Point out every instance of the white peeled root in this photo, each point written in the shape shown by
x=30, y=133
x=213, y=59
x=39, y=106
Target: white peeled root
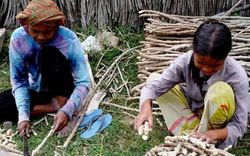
x=140, y=131
x=144, y=130
x=186, y=146
x=6, y=141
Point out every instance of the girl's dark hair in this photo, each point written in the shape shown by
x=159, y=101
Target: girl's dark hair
x=213, y=39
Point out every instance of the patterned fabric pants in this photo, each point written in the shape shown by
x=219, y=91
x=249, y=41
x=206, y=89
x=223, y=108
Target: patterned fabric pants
x=219, y=107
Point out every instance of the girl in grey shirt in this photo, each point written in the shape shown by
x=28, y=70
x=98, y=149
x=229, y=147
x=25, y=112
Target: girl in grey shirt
x=204, y=92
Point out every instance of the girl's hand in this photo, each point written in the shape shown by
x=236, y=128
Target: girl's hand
x=146, y=114
x=211, y=136
x=202, y=137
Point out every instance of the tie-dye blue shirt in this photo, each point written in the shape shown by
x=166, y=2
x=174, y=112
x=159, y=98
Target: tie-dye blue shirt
x=24, y=75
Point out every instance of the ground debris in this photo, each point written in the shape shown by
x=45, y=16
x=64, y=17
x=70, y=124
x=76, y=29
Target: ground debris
x=7, y=144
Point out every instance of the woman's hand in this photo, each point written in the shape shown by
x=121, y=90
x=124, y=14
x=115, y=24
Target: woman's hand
x=24, y=128
x=60, y=121
x=146, y=114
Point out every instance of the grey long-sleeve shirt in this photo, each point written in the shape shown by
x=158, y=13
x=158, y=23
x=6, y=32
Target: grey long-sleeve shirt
x=232, y=73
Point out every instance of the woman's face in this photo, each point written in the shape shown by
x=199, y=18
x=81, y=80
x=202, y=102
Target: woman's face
x=42, y=33
x=207, y=65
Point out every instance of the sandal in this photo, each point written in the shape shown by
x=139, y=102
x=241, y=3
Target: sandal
x=100, y=124
x=89, y=118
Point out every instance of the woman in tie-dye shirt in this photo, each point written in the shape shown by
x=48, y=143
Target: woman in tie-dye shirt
x=47, y=67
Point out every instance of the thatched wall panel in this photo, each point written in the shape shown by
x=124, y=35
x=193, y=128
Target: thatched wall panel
x=99, y=13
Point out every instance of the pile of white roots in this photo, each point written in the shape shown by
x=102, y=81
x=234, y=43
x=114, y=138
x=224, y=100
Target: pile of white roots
x=7, y=143
x=186, y=146
x=6, y=138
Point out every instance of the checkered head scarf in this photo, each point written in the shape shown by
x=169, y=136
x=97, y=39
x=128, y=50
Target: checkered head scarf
x=45, y=11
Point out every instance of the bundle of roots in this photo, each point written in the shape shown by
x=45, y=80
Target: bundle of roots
x=186, y=146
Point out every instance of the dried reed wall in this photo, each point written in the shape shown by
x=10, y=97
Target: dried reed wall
x=98, y=13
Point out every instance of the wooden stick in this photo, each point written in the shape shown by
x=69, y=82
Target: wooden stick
x=43, y=142
x=164, y=15
x=129, y=114
x=110, y=78
x=241, y=32
x=97, y=66
x=37, y=122
x=237, y=4
x=127, y=108
x=133, y=98
x=245, y=7
x=122, y=107
x=125, y=83
x=159, y=122
x=46, y=120
x=92, y=81
x=91, y=95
